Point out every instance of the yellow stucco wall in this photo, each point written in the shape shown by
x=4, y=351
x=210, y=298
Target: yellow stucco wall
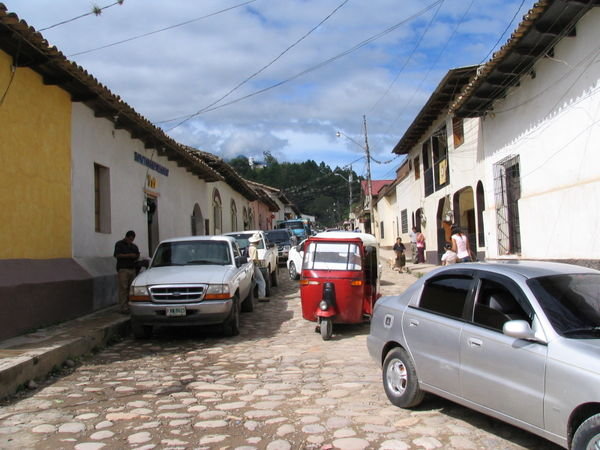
x=35, y=166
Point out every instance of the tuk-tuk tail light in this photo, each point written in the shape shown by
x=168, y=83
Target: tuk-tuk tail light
x=356, y=283
x=307, y=282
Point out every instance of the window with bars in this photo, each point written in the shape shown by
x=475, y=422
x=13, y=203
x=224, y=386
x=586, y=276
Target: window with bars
x=404, y=219
x=507, y=192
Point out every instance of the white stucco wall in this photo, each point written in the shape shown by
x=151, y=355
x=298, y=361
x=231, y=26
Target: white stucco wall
x=466, y=168
x=552, y=122
x=94, y=140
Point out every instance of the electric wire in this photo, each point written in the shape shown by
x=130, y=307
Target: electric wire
x=270, y=63
x=170, y=27
x=96, y=10
x=313, y=68
x=409, y=58
x=508, y=26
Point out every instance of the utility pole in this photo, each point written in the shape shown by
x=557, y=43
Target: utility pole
x=369, y=183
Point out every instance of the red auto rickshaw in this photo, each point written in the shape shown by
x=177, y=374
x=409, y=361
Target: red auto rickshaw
x=340, y=279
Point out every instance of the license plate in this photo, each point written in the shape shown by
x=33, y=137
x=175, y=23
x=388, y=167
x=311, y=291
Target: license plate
x=173, y=311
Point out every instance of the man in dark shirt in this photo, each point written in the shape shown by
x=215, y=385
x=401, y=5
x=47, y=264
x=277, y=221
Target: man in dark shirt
x=127, y=254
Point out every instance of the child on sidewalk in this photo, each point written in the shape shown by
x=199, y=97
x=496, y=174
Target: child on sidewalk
x=449, y=257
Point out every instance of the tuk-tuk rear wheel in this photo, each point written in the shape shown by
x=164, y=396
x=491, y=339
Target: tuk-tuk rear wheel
x=326, y=328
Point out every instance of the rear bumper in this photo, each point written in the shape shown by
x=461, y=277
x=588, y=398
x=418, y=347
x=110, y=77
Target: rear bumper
x=202, y=313
x=375, y=347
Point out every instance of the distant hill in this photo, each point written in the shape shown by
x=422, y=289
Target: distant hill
x=316, y=189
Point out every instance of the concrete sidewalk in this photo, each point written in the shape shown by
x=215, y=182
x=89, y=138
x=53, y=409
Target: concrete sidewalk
x=418, y=270
x=34, y=355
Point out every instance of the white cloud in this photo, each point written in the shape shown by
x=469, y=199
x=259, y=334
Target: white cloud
x=180, y=71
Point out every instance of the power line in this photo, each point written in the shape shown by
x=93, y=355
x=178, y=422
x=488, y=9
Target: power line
x=264, y=67
x=96, y=10
x=139, y=36
x=315, y=67
x=418, y=43
x=503, y=33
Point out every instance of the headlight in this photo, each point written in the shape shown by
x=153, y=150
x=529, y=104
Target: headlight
x=139, y=294
x=323, y=305
x=286, y=248
x=217, y=292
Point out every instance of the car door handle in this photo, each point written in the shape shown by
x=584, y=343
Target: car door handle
x=413, y=323
x=475, y=342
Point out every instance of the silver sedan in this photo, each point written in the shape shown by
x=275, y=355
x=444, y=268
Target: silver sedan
x=518, y=341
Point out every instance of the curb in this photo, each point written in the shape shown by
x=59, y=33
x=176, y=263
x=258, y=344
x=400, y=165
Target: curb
x=35, y=355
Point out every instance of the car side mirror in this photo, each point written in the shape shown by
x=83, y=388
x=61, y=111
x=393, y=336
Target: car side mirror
x=518, y=329
x=240, y=260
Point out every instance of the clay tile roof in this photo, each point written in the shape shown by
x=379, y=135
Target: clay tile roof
x=29, y=49
x=226, y=171
x=546, y=23
x=439, y=102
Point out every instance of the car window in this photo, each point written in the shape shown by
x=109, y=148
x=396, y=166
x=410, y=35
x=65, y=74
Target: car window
x=446, y=295
x=332, y=256
x=187, y=253
x=495, y=305
x=571, y=303
x=236, y=250
x=242, y=240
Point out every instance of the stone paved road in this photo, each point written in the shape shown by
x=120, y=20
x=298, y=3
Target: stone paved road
x=275, y=386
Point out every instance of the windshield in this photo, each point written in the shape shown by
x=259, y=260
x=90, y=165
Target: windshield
x=279, y=236
x=332, y=256
x=571, y=302
x=188, y=253
x=242, y=240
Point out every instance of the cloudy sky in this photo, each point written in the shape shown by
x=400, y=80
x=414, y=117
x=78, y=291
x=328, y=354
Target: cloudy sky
x=241, y=77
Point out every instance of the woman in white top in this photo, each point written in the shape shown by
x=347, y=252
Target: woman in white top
x=460, y=245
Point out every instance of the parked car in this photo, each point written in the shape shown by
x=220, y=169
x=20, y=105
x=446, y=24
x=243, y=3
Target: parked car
x=267, y=254
x=519, y=341
x=199, y=280
x=294, y=262
x=284, y=238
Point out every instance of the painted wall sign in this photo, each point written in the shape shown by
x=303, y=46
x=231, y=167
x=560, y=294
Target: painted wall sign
x=150, y=164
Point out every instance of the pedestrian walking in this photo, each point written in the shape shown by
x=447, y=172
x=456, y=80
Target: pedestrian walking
x=399, y=250
x=127, y=253
x=460, y=245
x=258, y=276
x=413, y=244
x=420, y=247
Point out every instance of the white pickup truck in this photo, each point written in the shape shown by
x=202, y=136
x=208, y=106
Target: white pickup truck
x=267, y=255
x=198, y=280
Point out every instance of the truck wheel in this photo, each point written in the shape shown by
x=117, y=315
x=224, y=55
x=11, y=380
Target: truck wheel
x=248, y=303
x=141, y=331
x=588, y=434
x=275, y=276
x=232, y=326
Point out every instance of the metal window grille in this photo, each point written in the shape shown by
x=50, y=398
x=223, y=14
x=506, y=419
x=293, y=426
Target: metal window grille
x=404, y=218
x=507, y=192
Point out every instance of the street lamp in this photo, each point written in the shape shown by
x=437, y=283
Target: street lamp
x=369, y=183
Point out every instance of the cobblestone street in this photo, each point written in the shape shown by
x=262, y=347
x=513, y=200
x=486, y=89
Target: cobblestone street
x=276, y=386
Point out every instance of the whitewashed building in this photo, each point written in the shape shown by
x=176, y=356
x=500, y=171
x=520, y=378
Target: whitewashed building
x=441, y=182
x=539, y=103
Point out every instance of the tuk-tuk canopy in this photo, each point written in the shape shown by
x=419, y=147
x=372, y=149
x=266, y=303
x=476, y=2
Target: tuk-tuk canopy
x=366, y=238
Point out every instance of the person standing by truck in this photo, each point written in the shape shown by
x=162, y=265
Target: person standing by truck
x=258, y=276
x=127, y=253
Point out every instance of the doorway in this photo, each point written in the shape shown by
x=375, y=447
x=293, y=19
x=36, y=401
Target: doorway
x=152, y=216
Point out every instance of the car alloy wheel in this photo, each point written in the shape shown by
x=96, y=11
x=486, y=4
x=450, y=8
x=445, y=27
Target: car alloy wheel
x=400, y=379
